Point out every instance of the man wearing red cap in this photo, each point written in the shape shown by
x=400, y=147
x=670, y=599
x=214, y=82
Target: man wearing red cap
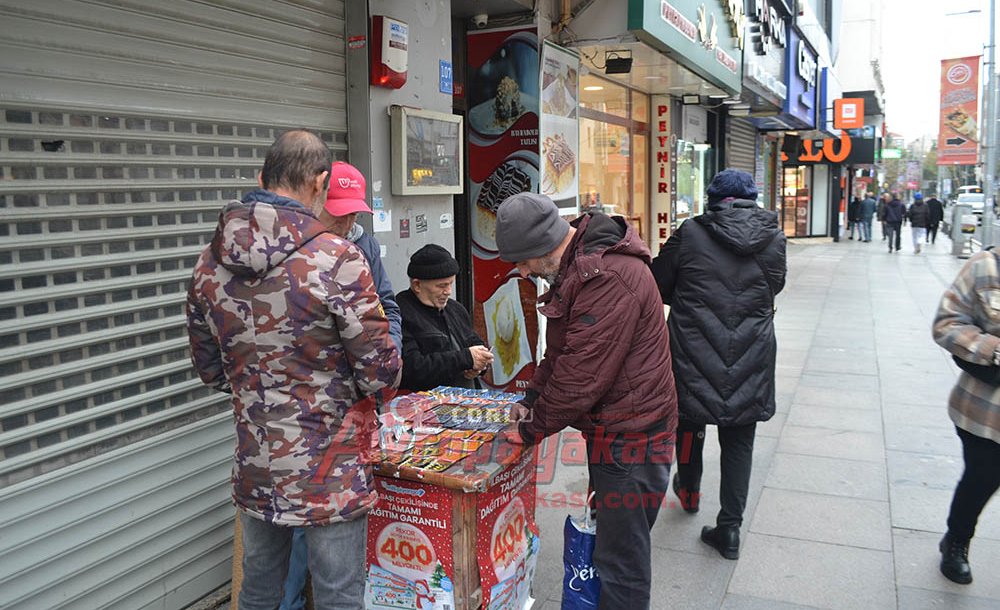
x=345, y=199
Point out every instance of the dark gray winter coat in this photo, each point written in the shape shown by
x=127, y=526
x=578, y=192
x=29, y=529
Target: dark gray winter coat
x=712, y=274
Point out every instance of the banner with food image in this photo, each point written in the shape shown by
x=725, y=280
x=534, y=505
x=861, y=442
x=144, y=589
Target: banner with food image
x=559, y=127
x=507, y=541
x=503, y=92
x=958, y=134
x=410, y=562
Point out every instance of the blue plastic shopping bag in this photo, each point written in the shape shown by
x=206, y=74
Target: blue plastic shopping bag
x=581, y=583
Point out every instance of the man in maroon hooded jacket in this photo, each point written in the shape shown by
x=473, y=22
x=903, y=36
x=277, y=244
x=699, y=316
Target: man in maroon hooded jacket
x=606, y=372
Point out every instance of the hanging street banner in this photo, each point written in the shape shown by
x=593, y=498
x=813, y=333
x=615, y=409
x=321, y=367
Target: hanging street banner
x=958, y=133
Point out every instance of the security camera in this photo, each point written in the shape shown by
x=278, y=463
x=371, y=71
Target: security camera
x=480, y=20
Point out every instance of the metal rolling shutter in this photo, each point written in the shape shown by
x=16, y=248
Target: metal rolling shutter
x=124, y=127
x=742, y=148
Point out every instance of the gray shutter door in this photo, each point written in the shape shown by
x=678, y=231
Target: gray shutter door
x=742, y=150
x=124, y=127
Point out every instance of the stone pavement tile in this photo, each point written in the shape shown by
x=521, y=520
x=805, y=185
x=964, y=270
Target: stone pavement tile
x=828, y=338
x=844, y=365
x=923, y=470
x=835, y=477
x=936, y=440
x=839, y=381
x=772, y=427
x=926, y=509
x=918, y=558
x=822, y=518
x=928, y=416
x=915, y=364
x=912, y=598
x=918, y=390
x=823, y=442
x=842, y=398
x=744, y=602
x=793, y=358
x=838, y=418
x=688, y=580
x=813, y=573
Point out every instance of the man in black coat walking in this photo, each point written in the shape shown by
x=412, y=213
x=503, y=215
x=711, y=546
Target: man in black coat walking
x=936, y=211
x=720, y=272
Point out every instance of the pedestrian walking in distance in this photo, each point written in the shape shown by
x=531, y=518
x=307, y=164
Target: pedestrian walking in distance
x=936, y=211
x=895, y=212
x=919, y=217
x=865, y=213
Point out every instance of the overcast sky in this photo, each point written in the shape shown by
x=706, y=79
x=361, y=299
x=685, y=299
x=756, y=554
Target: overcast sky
x=916, y=36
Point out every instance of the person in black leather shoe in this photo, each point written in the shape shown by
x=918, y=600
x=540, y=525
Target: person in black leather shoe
x=967, y=324
x=720, y=272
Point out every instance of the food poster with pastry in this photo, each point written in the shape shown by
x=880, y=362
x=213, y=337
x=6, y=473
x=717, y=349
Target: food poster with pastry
x=958, y=135
x=410, y=562
x=559, y=127
x=507, y=541
x=503, y=91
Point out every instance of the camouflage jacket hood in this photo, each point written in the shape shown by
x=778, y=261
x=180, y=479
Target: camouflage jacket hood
x=253, y=239
x=285, y=317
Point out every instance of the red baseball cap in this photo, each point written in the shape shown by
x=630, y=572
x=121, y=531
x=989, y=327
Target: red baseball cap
x=347, y=191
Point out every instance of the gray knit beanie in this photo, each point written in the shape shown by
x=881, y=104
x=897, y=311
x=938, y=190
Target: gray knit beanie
x=528, y=226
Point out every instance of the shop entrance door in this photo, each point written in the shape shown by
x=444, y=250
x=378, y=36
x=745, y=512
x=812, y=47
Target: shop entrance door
x=695, y=167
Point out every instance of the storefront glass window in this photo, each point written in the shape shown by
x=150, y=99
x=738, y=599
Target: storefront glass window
x=695, y=166
x=795, y=201
x=603, y=96
x=604, y=167
x=640, y=182
x=614, y=150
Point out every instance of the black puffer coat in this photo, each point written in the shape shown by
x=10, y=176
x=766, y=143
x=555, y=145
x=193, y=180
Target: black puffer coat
x=712, y=274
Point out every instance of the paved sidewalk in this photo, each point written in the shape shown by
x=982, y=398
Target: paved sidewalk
x=854, y=474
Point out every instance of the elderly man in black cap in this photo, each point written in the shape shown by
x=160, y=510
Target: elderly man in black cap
x=720, y=272
x=606, y=372
x=439, y=345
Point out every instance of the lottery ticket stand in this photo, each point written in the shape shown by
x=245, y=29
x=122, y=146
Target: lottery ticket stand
x=454, y=526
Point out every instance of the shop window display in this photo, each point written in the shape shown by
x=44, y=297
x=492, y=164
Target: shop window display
x=695, y=166
x=795, y=201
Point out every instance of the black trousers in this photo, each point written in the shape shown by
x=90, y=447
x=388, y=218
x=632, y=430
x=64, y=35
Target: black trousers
x=932, y=232
x=979, y=482
x=630, y=480
x=736, y=463
x=895, y=229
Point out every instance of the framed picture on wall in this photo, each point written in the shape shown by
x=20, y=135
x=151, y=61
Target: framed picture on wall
x=426, y=152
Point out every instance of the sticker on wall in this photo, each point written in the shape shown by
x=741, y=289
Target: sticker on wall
x=421, y=222
x=377, y=203
x=382, y=221
x=377, y=186
x=404, y=227
x=446, y=221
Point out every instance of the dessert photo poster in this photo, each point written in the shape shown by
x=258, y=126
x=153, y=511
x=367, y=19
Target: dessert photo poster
x=559, y=128
x=958, y=139
x=504, y=100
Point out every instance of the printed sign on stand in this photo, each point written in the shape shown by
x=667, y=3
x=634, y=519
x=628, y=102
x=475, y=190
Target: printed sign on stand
x=410, y=563
x=507, y=542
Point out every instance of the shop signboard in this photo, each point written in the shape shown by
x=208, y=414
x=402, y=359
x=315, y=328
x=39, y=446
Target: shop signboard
x=507, y=540
x=764, y=55
x=503, y=92
x=410, y=556
x=843, y=150
x=663, y=144
x=958, y=135
x=706, y=37
x=559, y=127
x=801, y=76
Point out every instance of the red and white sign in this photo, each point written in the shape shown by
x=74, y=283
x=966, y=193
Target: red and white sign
x=660, y=170
x=958, y=132
x=507, y=538
x=849, y=113
x=410, y=562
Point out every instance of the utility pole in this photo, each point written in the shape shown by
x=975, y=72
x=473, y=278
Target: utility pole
x=989, y=171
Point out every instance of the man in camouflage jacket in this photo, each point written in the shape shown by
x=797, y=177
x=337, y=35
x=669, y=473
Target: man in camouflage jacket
x=285, y=316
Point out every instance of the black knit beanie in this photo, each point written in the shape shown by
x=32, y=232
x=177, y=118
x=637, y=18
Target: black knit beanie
x=432, y=262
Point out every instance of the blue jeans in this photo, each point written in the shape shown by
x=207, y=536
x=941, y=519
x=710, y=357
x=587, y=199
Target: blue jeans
x=866, y=229
x=336, y=561
x=295, y=583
